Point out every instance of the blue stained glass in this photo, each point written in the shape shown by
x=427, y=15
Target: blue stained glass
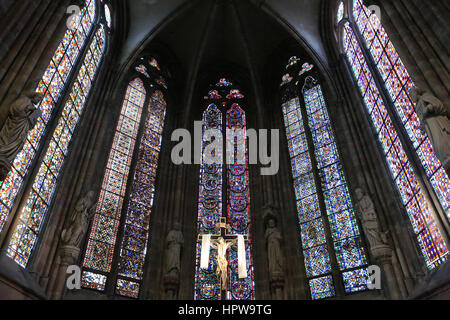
x=51, y=86
x=434, y=251
x=33, y=214
x=207, y=283
x=398, y=83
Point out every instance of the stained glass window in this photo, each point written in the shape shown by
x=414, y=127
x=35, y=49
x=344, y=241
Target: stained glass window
x=103, y=235
x=155, y=64
x=306, y=68
x=143, y=69
x=292, y=62
x=133, y=249
x=429, y=237
x=38, y=200
x=398, y=82
x=286, y=79
x=237, y=211
x=340, y=12
x=314, y=241
x=108, y=16
x=344, y=228
x=51, y=86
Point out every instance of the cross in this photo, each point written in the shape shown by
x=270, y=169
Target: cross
x=223, y=226
x=222, y=242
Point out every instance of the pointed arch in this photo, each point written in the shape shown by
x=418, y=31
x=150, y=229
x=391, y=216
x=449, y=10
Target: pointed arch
x=224, y=192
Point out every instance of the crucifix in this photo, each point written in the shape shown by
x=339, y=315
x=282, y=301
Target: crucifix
x=222, y=242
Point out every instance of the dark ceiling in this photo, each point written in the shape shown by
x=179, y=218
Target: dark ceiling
x=234, y=38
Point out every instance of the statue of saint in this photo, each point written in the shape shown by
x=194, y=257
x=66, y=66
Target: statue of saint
x=435, y=122
x=174, y=244
x=22, y=117
x=222, y=247
x=366, y=210
x=79, y=221
x=273, y=239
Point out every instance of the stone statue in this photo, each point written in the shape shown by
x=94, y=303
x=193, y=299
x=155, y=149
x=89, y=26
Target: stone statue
x=273, y=240
x=366, y=211
x=174, y=243
x=435, y=122
x=22, y=117
x=79, y=221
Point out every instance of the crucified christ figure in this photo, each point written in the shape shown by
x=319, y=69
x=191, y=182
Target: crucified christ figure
x=222, y=247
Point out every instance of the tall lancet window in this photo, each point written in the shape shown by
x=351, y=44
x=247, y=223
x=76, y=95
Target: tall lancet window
x=67, y=58
x=398, y=128
x=330, y=236
x=51, y=86
x=224, y=193
x=112, y=258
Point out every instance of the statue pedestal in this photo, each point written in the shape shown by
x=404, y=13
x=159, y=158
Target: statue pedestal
x=277, y=283
x=171, y=285
x=383, y=255
x=68, y=256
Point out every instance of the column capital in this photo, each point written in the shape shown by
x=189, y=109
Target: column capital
x=382, y=253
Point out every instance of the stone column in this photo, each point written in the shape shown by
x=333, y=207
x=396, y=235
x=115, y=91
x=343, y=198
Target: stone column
x=383, y=255
x=68, y=256
x=171, y=286
x=277, y=283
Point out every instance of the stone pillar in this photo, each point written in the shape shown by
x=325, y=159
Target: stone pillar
x=68, y=256
x=171, y=286
x=277, y=283
x=383, y=255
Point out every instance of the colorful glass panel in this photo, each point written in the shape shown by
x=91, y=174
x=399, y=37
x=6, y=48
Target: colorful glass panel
x=435, y=251
x=344, y=228
x=133, y=250
x=207, y=283
x=292, y=62
x=34, y=212
x=103, y=233
x=51, y=86
x=316, y=255
x=340, y=12
x=239, y=204
x=143, y=69
x=398, y=82
x=108, y=16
